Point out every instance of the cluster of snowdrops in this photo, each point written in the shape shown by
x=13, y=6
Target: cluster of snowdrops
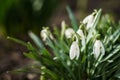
x=88, y=52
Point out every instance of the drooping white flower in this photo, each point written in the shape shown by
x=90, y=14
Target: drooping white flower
x=74, y=50
x=88, y=21
x=98, y=49
x=80, y=32
x=45, y=34
x=69, y=32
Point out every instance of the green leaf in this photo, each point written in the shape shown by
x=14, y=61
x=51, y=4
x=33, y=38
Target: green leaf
x=45, y=52
x=36, y=40
x=72, y=18
x=51, y=74
x=115, y=36
x=114, y=52
x=32, y=56
x=17, y=41
x=22, y=70
x=117, y=74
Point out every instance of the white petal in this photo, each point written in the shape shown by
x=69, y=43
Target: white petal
x=74, y=50
x=102, y=49
x=96, y=51
x=44, y=34
x=96, y=48
x=89, y=21
x=86, y=19
x=77, y=52
x=69, y=32
x=80, y=32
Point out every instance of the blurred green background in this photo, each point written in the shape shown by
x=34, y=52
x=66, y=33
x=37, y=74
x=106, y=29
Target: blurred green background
x=17, y=17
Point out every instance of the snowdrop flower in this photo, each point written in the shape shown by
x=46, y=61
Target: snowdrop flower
x=45, y=34
x=98, y=48
x=88, y=21
x=69, y=32
x=80, y=32
x=74, y=50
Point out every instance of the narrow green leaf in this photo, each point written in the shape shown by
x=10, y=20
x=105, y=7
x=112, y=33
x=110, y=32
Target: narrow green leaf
x=115, y=51
x=17, y=40
x=32, y=56
x=115, y=35
x=117, y=74
x=36, y=40
x=72, y=18
x=50, y=73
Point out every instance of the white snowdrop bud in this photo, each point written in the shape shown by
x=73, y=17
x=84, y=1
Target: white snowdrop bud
x=74, y=50
x=98, y=48
x=69, y=32
x=45, y=34
x=63, y=25
x=88, y=21
x=80, y=32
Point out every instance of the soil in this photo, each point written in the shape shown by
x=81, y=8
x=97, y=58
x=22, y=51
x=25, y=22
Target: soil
x=11, y=58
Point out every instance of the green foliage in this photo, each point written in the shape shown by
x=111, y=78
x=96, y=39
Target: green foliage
x=73, y=20
x=4, y=6
x=52, y=54
x=18, y=16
